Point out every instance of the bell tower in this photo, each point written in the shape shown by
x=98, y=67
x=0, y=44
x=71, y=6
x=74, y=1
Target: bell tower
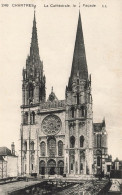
x=79, y=131
x=33, y=94
x=33, y=87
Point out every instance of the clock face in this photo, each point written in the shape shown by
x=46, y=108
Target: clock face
x=51, y=125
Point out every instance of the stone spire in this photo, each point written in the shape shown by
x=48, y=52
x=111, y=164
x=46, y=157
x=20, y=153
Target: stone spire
x=34, y=49
x=33, y=76
x=79, y=64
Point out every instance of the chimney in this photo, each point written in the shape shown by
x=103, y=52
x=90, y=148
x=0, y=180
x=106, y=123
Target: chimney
x=12, y=148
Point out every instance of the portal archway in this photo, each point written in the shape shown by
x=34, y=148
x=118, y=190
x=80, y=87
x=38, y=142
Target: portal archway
x=60, y=167
x=51, y=164
x=42, y=167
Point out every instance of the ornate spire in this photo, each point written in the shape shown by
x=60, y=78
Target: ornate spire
x=79, y=64
x=34, y=49
x=33, y=76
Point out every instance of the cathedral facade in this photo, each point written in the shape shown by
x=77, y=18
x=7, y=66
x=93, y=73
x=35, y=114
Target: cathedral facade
x=59, y=136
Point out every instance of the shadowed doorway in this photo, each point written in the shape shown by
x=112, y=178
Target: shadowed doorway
x=60, y=167
x=51, y=167
x=42, y=167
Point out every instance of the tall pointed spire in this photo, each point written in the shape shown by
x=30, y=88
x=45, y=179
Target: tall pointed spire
x=34, y=49
x=79, y=64
x=33, y=75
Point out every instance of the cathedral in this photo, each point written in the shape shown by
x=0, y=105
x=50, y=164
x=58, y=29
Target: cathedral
x=59, y=136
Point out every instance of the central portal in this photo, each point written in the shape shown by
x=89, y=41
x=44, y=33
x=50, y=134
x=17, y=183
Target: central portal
x=51, y=167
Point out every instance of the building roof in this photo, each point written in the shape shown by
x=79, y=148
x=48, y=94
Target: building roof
x=4, y=151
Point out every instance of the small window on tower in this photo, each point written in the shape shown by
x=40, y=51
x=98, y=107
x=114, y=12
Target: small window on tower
x=31, y=93
x=81, y=141
x=32, y=117
x=82, y=111
x=25, y=118
x=32, y=146
x=72, y=112
x=25, y=146
x=77, y=98
x=77, y=81
x=81, y=166
x=72, y=166
x=72, y=142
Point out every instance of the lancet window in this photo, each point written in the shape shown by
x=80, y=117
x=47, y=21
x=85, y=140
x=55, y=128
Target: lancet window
x=82, y=111
x=52, y=147
x=25, y=146
x=60, y=148
x=32, y=117
x=31, y=93
x=81, y=141
x=32, y=146
x=43, y=148
x=25, y=118
x=72, y=142
x=98, y=140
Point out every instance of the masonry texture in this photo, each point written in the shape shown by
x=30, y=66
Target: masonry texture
x=59, y=136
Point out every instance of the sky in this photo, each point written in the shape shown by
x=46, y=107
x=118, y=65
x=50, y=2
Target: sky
x=56, y=28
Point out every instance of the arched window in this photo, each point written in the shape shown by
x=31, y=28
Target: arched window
x=72, y=161
x=72, y=142
x=26, y=118
x=25, y=146
x=98, y=160
x=52, y=146
x=72, y=166
x=72, y=112
x=32, y=117
x=81, y=141
x=60, y=148
x=82, y=111
x=82, y=160
x=78, y=98
x=32, y=146
x=81, y=166
x=43, y=148
x=31, y=91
